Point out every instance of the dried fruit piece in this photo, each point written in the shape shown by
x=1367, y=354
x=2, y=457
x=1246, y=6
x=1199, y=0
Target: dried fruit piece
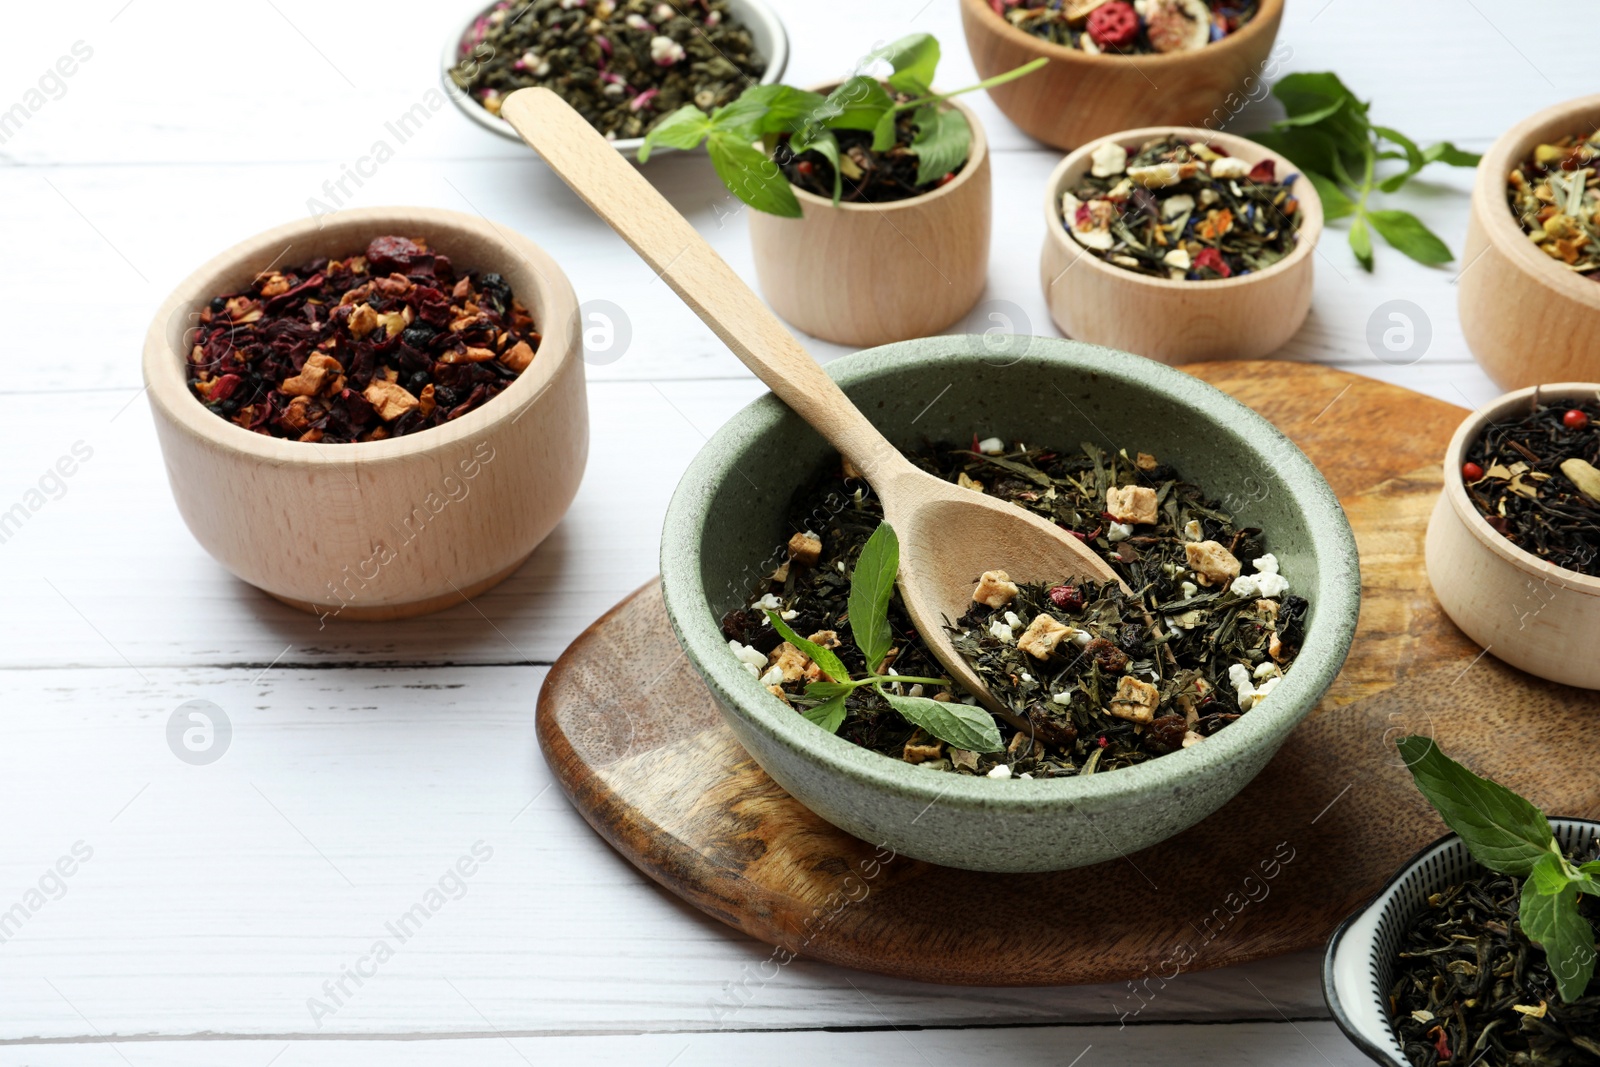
x=1113, y=25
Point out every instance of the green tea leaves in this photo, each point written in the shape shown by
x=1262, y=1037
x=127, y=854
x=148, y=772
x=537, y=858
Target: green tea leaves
x=942, y=142
x=1406, y=233
x=829, y=714
x=1566, y=937
x=1328, y=135
x=822, y=657
x=953, y=723
x=1503, y=832
x=1509, y=835
x=871, y=587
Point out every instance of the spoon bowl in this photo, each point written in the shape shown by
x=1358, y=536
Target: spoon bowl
x=949, y=535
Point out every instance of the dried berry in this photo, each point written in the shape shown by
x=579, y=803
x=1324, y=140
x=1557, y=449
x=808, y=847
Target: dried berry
x=1166, y=734
x=1067, y=597
x=1574, y=419
x=1110, y=658
x=380, y=344
x=1471, y=472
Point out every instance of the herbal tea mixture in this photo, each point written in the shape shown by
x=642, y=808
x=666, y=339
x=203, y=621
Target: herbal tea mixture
x=1499, y=970
x=1536, y=482
x=868, y=140
x=1555, y=194
x=1182, y=209
x=1329, y=136
x=1093, y=680
x=375, y=345
x=620, y=63
x=1116, y=26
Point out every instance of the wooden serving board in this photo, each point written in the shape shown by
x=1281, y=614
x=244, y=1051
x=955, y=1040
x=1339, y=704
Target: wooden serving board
x=661, y=778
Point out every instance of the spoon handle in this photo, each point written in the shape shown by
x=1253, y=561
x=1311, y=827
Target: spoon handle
x=616, y=191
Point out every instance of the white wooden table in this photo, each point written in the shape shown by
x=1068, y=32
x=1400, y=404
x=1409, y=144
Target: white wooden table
x=217, y=903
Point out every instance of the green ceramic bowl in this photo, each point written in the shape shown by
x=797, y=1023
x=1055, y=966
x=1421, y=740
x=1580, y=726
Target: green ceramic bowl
x=729, y=513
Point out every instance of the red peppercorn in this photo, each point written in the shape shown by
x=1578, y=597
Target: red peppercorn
x=1471, y=472
x=804, y=168
x=1575, y=419
x=1114, y=25
x=1066, y=597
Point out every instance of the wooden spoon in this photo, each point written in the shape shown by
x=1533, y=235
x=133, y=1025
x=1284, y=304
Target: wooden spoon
x=948, y=535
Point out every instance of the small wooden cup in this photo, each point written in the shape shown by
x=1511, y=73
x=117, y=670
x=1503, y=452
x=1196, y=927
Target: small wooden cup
x=869, y=274
x=1526, y=317
x=1533, y=615
x=379, y=529
x=1080, y=96
x=1246, y=317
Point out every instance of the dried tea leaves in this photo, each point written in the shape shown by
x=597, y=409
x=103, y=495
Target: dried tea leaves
x=1105, y=680
x=1120, y=27
x=376, y=345
x=620, y=63
x=1183, y=210
x=1535, y=481
x=1555, y=195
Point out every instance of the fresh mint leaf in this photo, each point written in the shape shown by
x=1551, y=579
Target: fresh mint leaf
x=1548, y=876
x=1312, y=116
x=764, y=109
x=1414, y=158
x=752, y=176
x=883, y=134
x=1503, y=831
x=1566, y=937
x=1335, y=205
x=954, y=723
x=857, y=104
x=822, y=657
x=1311, y=150
x=914, y=58
x=942, y=141
x=1448, y=154
x=683, y=128
x=829, y=690
x=829, y=714
x=871, y=587
x=825, y=142
x=1361, y=242
x=1406, y=233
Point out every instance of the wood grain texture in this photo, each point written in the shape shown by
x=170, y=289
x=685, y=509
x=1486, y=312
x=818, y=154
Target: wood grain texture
x=869, y=274
x=1242, y=318
x=1078, y=97
x=1527, y=318
x=1531, y=614
x=661, y=778
x=379, y=529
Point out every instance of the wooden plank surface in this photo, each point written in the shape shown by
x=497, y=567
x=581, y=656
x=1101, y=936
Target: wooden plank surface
x=195, y=124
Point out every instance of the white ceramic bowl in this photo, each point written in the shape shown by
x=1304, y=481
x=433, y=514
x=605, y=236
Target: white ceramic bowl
x=771, y=40
x=1358, y=969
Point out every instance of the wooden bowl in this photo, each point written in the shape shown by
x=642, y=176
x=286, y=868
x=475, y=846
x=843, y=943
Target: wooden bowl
x=1527, y=318
x=1246, y=317
x=1078, y=97
x=379, y=529
x=766, y=30
x=869, y=274
x=1532, y=614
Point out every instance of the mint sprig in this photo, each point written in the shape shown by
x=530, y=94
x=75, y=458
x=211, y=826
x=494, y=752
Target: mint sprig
x=1328, y=135
x=1508, y=835
x=942, y=141
x=871, y=587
